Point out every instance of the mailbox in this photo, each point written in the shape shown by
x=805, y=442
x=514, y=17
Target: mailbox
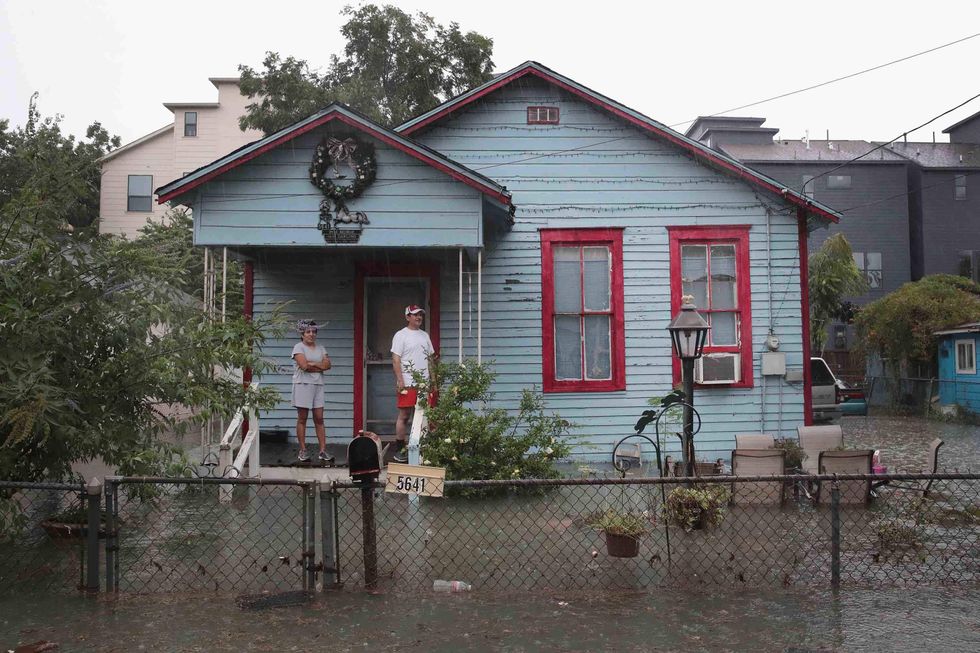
x=364, y=456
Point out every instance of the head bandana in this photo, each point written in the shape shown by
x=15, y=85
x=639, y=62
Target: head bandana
x=303, y=326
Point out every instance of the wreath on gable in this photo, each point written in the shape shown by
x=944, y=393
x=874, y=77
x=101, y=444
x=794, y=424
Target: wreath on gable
x=331, y=152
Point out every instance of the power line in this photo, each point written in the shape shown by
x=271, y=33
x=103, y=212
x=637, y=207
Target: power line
x=837, y=79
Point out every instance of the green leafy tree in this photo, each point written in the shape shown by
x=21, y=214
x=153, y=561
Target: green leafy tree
x=833, y=275
x=474, y=440
x=95, y=339
x=899, y=327
x=395, y=65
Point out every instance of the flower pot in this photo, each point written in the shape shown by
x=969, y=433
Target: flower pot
x=622, y=546
x=64, y=530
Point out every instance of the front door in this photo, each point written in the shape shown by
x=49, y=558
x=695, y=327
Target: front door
x=384, y=293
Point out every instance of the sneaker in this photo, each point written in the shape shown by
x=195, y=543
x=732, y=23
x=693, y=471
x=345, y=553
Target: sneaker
x=324, y=457
x=401, y=456
x=303, y=456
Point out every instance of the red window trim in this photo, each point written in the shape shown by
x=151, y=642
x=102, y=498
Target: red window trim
x=537, y=121
x=589, y=236
x=738, y=234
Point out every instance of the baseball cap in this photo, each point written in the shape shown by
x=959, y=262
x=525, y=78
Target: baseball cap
x=412, y=309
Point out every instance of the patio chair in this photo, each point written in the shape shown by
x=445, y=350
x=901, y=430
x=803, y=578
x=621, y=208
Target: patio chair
x=814, y=439
x=758, y=462
x=923, y=486
x=857, y=461
x=754, y=441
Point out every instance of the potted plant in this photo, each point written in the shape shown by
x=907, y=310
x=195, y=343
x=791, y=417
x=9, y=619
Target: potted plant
x=696, y=507
x=623, y=531
x=794, y=453
x=71, y=523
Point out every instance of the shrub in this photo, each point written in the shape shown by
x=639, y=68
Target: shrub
x=696, y=507
x=794, y=453
x=616, y=522
x=473, y=439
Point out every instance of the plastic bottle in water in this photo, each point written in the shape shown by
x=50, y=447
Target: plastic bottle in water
x=451, y=586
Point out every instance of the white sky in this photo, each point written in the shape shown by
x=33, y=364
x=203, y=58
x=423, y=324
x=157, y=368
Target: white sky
x=117, y=60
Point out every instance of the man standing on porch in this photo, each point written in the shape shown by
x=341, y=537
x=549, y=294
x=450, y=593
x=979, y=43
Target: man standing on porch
x=411, y=349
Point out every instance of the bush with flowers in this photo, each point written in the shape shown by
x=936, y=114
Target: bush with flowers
x=473, y=439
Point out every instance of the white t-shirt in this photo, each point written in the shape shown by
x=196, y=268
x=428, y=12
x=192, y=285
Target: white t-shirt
x=313, y=354
x=414, y=347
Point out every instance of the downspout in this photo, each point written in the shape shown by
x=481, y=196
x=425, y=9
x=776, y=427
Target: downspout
x=479, y=306
x=459, y=323
x=769, y=303
x=805, y=315
x=248, y=312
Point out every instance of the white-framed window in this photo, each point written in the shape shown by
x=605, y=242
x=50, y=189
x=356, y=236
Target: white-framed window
x=966, y=357
x=542, y=115
x=809, y=187
x=139, y=196
x=718, y=368
x=959, y=187
x=870, y=264
x=190, y=123
x=839, y=181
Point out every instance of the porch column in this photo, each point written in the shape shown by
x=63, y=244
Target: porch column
x=479, y=306
x=460, y=305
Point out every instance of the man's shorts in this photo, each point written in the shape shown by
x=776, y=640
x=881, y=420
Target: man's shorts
x=307, y=395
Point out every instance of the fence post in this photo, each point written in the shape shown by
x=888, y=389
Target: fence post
x=111, y=536
x=370, y=537
x=309, y=536
x=329, y=532
x=93, y=497
x=835, y=534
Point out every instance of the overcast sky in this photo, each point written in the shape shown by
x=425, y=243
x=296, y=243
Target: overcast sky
x=117, y=61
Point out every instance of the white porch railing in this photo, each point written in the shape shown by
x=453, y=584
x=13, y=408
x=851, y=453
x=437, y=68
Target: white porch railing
x=248, y=448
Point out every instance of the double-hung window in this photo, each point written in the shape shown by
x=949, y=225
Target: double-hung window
x=139, y=194
x=190, y=123
x=711, y=264
x=582, y=310
x=966, y=357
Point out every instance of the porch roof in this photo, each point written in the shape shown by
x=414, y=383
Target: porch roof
x=176, y=189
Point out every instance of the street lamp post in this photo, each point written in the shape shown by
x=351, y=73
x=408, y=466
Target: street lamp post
x=688, y=332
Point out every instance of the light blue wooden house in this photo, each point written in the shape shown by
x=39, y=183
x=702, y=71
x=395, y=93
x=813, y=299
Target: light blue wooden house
x=959, y=383
x=546, y=228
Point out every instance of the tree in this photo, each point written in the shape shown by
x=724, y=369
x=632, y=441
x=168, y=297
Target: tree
x=95, y=339
x=394, y=66
x=899, y=327
x=64, y=173
x=833, y=275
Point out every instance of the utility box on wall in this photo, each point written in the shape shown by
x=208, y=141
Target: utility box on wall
x=773, y=363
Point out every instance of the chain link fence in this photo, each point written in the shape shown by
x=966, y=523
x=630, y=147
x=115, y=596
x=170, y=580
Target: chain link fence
x=248, y=536
x=771, y=531
x=42, y=537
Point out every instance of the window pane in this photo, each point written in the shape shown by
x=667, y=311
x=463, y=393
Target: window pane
x=140, y=184
x=568, y=279
x=839, y=181
x=873, y=260
x=568, y=347
x=723, y=276
x=694, y=273
x=859, y=260
x=724, y=329
x=596, y=267
x=597, y=357
x=139, y=204
x=719, y=367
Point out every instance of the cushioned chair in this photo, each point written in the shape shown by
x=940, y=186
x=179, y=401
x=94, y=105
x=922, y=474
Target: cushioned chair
x=758, y=462
x=846, y=462
x=924, y=486
x=814, y=439
x=754, y=441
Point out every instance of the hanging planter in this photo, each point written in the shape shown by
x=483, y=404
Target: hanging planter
x=696, y=508
x=623, y=531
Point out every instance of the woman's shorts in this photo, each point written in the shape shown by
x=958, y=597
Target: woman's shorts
x=307, y=395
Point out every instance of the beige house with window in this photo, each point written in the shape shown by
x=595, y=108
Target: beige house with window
x=200, y=133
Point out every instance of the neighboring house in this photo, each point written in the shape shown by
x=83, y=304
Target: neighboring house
x=909, y=206
x=200, y=133
x=545, y=227
x=959, y=383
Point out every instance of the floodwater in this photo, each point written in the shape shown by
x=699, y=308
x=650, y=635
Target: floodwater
x=862, y=620
x=904, y=442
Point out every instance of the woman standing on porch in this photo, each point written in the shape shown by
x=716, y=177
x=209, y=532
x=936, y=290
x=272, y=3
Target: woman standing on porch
x=311, y=361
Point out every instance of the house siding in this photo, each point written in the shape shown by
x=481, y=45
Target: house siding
x=950, y=226
x=959, y=389
x=594, y=171
x=270, y=201
x=153, y=157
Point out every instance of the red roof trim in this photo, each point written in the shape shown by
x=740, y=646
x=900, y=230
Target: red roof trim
x=697, y=152
x=486, y=190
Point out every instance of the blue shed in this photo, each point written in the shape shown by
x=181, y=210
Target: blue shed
x=545, y=227
x=958, y=381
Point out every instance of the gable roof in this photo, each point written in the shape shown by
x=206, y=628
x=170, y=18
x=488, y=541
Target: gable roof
x=959, y=124
x=698, y=150
x=142, y=139
x=344, y=114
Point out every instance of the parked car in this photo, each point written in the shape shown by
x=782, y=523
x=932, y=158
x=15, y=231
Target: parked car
x=824, y=397
x=853, y=400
